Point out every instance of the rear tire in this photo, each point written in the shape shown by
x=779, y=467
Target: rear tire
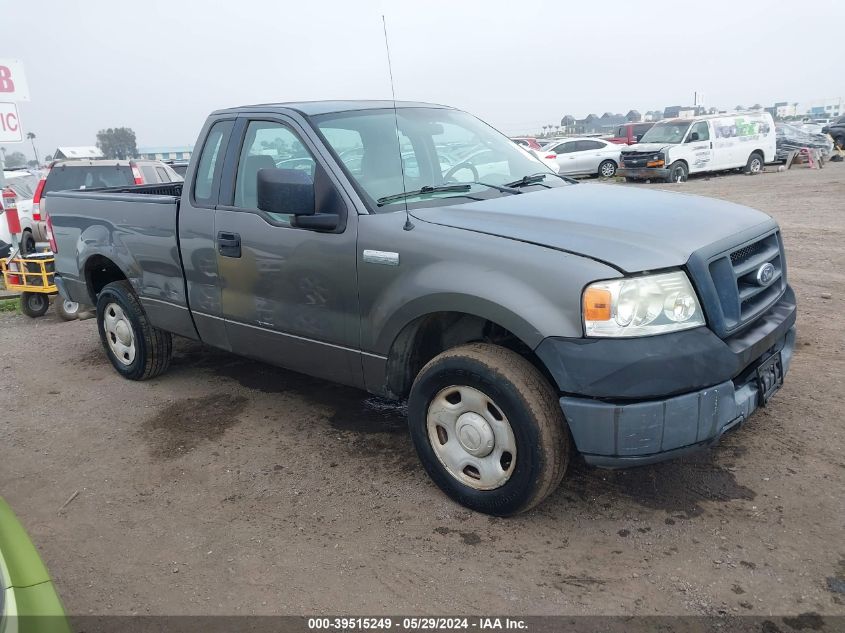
x=27, y=243
x=512, y=413
x=34, y=304
x=678, y=172
x=607, y=169
x=754, y=164
x=136, y=349
x=840, y=142
x=67, y=310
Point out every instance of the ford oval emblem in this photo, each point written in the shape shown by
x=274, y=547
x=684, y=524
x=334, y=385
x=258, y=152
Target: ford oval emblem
x=765, y=274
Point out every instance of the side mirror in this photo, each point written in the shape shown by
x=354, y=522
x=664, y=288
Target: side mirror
x=286, y=191
x=693, y=137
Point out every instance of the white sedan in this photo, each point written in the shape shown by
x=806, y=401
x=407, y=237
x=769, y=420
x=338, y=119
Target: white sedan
x=592, y=156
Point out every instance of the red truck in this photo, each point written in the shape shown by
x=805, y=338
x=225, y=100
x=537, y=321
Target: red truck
x=630, y=133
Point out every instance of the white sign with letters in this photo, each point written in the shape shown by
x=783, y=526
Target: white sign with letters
x=13, y=85
x=10, y=124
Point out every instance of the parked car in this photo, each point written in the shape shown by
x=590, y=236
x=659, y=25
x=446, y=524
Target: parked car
x=836, y=129
x=23, y=183
x=520, y=314
x=630, y=133
x=585, y=155
x=179, y=166
x=545, y=156
x=675, y=148
x=28, y=599
x=528, y=142
x=94, y=174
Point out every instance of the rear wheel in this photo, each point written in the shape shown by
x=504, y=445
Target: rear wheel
x=27, y=243
x=678, y=172
x=136, y=349
x=67, y=310
x=754, y=164
x=488, y=429
x=34, y=304
x=840, y=142
x=607, y=169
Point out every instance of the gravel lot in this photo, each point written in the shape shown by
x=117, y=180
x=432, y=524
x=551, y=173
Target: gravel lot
x=230, y=487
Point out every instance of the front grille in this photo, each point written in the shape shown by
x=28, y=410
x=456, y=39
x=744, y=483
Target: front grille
x=735, y=276
x=637, y=159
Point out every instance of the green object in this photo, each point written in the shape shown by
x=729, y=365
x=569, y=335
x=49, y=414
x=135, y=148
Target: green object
x=29, y=601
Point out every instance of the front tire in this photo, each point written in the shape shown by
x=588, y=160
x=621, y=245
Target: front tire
x=678, y=172
x=754, y=164
x=607, y=169
x=488, y=429
x=34, y=304
x=136, y=349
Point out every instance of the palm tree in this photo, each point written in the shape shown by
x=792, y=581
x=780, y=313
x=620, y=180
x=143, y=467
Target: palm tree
x=544, y=129
x=31, y=138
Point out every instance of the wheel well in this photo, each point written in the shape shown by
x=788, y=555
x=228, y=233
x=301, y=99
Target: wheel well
x=758, y=152
x=429, y=335
x=100, y=271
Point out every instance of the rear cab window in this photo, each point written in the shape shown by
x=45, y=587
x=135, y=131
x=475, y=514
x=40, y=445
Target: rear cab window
x=211, y=163
x=64, y=177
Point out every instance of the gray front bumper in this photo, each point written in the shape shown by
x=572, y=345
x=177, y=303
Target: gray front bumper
x=621, y=435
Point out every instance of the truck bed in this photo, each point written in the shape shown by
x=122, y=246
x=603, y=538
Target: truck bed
x=134, y=228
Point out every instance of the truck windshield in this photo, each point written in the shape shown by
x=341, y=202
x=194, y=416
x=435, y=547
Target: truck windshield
x=438, y=146
x=666, y=132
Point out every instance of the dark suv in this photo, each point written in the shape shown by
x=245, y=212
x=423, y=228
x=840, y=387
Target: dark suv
x=837, y=131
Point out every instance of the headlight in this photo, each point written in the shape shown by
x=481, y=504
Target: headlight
x=641, y=306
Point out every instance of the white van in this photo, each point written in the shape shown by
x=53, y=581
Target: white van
x=674, y=148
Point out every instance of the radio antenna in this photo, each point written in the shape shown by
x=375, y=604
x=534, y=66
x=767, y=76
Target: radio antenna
x=408, y=224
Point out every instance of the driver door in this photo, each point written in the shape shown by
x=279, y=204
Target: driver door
x=699, y=148
x=289, y=295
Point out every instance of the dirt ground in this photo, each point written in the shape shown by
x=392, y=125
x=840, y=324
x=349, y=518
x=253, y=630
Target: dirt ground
x=230, y=487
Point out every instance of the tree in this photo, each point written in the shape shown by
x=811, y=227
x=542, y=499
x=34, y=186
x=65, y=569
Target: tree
x=15, y=159
x=31, y=138
x=117, y=143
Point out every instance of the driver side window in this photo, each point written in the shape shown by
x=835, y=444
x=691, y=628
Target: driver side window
x=702, y=130
x=268, y=145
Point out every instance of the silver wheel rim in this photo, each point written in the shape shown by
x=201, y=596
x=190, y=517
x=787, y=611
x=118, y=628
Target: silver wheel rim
x=471, y=437
x=607, y=170
x=70, y=307
x=119, y=334
x=679, y=174
x=755, y=165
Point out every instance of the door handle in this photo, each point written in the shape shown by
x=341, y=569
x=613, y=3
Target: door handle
x=229, y=244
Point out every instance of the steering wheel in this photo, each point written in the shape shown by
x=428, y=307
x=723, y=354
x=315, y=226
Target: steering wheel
x=448, y=176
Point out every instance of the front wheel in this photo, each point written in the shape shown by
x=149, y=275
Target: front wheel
x=136, y=349
x=488, y=429
x=678, y=172
x=34, y=304
x=607, y=169
x=27, y=243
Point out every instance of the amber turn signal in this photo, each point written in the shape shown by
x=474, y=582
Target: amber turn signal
x=597, y=304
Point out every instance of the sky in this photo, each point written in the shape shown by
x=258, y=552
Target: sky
x=160, y=66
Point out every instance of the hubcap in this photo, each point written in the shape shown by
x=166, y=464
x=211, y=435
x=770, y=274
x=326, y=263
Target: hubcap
x=607, y=170
x=119, y=334
x=471, y=437
x=755, y=165
x=70, y=307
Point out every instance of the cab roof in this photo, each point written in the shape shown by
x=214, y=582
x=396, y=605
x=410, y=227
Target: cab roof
x=313, y=108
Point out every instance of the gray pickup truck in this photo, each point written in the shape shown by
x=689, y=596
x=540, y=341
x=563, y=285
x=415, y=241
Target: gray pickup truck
x=416, y=253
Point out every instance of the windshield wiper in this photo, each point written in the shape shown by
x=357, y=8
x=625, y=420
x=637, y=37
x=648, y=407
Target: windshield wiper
x=536, y=179
x=502, y=188
x=533, y=179
x=420, y=191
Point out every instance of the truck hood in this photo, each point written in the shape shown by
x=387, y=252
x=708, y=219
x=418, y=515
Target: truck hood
x=631, y=229
x=647, y=147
